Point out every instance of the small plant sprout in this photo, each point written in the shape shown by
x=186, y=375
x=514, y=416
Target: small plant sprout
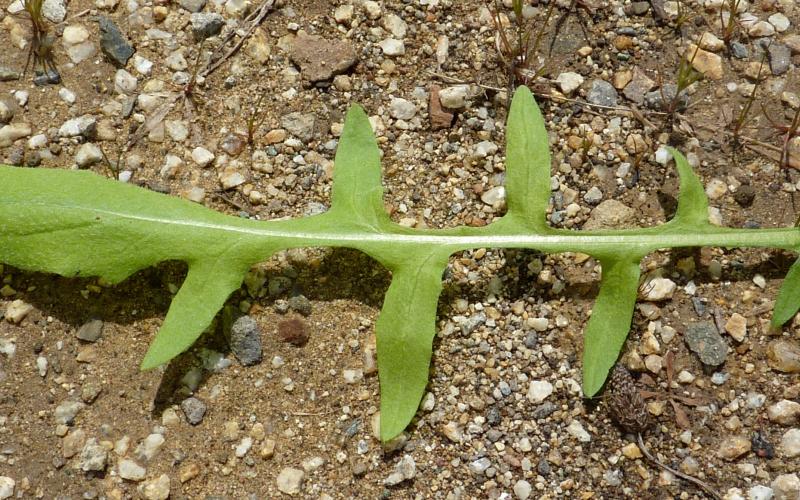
x=50, y=217
x=256, y=119
x=41, y=45
x=729, y=24
x=685, y=76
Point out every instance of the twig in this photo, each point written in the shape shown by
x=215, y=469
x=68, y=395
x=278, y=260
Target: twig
x=232, y=202
x=697, y=482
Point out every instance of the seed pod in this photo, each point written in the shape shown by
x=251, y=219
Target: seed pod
x=625, y=403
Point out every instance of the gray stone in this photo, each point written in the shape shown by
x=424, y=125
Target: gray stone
x=786, y=487
x=610, y=214
x=206, y=25
x=88, y=154
x=192, y=5
x=301, y=304
x=639, y=85
x=90, y=331
x=402, y=109
x=602, y=93
x=703, y=339
x=66, y=412
x=405, y=469
x=8, y=74
x=480, y=465
x=301, y=125
x=7, y=486
x=522, y=489
x=130, y=470
x=156, y=489
x=194, y=410
x=245, y=341
x=392, y=47
x=94, y=457
x=739, y=51
x=85, y=126
x=593, y=196
x=54, y=10
x=290, y=480
x=780, y=58
x=113, y=43
x=150, y=446
x=790, y=443
x=321, y=59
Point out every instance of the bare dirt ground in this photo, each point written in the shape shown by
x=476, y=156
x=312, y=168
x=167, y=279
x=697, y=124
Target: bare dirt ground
x=508, y=321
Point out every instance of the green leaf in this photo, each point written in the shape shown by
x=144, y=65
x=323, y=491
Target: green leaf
x=405, y=331
x=692, y=200
x=357, y=194
x=527, y=163
x=610, y=322
x=788, y=301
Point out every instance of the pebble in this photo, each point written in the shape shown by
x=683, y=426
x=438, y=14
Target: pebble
x=88, y=154
x=479, y=466
x=7, y=109
x=639, y=85
x=192, y=5
x=300, y=304
x=780, y=58
x=703, y=339
x=485, y=148
x=66, y=412
x=395, y=25
x=82, y=126
x=353, y=376
x=658, y=289
x=202, y=157
x=290, y=480
x=321, y=59
x=576, y=430
x=7, y=486
x=54, y=10
x=759, y=492
x=94, y=457
x=245, y=341
x=72, y=444
x=13, y=131
x=709, y=41
x=130, y=470
x=77, y=43
x=454, y=97
x=156, y=489
x=569, y=82
x=522, y=489
x=90, y=331
x=150, y=446
x=453, y=432
x=301, y=125
x=494, y=196
x=733, y=447
x=602, y=93
x=736, y=327
x=113, y=43
x=124, y=82
x=392, y=47
x=761, y=29
x=716, y=189
x=372, y=8
x=539, y=390
x=784, y=412
x=779, y=21
x=632, y=451
x=784, y=356
x=790, y=443
x=8, y=75
x=17, y=310
x=67, y=95
x=405, y=470
x=244, y=446
x=206, y=25
x=593, y=196
x=610, y=214
x=786, y=487
x=343, y=14
x=705, y=62
x=194, y=410
x=402, y=109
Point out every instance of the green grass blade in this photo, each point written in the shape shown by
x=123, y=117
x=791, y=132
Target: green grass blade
x=357, y=194
x=405, y=331
x=610, y=322
x=788, y=302
x=527, y=162
x=207, y=286
x=692, y=200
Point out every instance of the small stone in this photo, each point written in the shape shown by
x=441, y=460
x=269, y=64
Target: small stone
x=733, y=447
x=192, y=5
x=454, y=97
x=405, y=470
x=569, y=82
x=494, y=196
x=231, y=178
x=73, y=443
x=786, y=487
x=784, y=412
x=602, y=93
x=703, y=339
x=156, y=489
x=206, y=25
x=658, y=289
x=784, y=356
x=17, y=310
x=13, y=131
x=539, y=390
x=343, y=14
x=736, y=327
x=7, y=486
x=54, y=10
x=194, y=410
x=522, y=489
x=300, y=304
x=290, y=480
x=453, y=432
x=780, y=58
x=243, y=447
x=66, y=412
x=485, y=148
x=150, y=446
x=639, y=85
x=94, y=457
x=245, y=341
x=372, y=8
x=67, y=95
x=113, y=43
x=202, y=157
x=187, y=472
x=392, y=47
x=790, y=443
x=82, y=126
x=593, y=196
x=88, y=154
x=402, y=109
x=576, y=430
x=632, y=451
x=761, y=29
x=7, y=109
x=779, y=21
x=707, y=63
x=710, y=42
x=759, y=492
x=293, y=331
x=124, y=82
x=301, y=125
x=77, y=43
x=610, y=214
x=352, y=376
x=440, y=118
x=395, y=25
x=8, y=75
x=130, y=470
x=319, y=58
x=90, y=331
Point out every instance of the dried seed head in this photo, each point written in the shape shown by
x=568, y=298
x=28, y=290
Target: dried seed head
x=625, y=403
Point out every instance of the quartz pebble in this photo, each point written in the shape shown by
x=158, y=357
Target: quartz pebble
x=539, y=390
x=290, y=480
x=405, y=470
x=784, y=412
x=790, y=443
x=7, y=486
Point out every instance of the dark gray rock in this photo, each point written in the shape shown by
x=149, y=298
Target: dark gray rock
x=602, y=93
x=704, y=340
x=739, y=51
x=664, y=97
x=90, y=331
x=780, y=58
x=245, y=341
x=194, y=410
x=113, y=43
x=300, y=304
x=206, y=25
